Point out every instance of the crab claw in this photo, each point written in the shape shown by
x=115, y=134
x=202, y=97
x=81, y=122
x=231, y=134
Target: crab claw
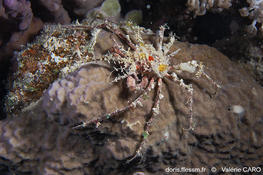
x=131, y=83
x=144, y=82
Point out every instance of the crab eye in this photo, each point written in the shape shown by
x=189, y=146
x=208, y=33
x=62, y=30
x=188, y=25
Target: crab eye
x=150, y=58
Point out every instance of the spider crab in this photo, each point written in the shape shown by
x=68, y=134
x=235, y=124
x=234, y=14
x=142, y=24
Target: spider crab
x=144, y=66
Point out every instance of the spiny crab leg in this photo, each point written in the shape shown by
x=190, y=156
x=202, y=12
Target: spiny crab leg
x=154, y=112
x=117, y=51
x=133, y=86
x=78, y=27
x=109, y=28
x=160, y=38
x=137, y=101
x=119, y=34
x=190, y=90
x=190, y=102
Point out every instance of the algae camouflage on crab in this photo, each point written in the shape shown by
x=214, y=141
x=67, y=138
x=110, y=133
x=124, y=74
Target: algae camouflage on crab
x=131, y=54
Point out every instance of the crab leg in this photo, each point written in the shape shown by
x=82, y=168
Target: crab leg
x=160, y=38
x=119, y=34
x=109, y=28
x=154, y=112
x=79, y=27
x=190, y=90
x=190, y=102
x=117, y=112
x=117, y=51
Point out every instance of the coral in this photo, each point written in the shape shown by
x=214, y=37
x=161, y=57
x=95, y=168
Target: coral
x=81, y=7
x=77, y=91
x=254, y=12
x=16, y=20
x=19, y=10
x=53, y=11
x=111, y=7
x=199, y=7
x=56, y=8
x=20, y=38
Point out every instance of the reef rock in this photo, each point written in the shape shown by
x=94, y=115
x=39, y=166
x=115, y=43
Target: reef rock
x=227, y=122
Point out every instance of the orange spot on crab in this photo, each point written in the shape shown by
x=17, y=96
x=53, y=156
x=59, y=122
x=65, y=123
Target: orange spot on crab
x=150, y=58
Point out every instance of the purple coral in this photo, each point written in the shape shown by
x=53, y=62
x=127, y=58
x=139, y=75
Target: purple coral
x=56, y=10
x=12, y=4
x=21, y=11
